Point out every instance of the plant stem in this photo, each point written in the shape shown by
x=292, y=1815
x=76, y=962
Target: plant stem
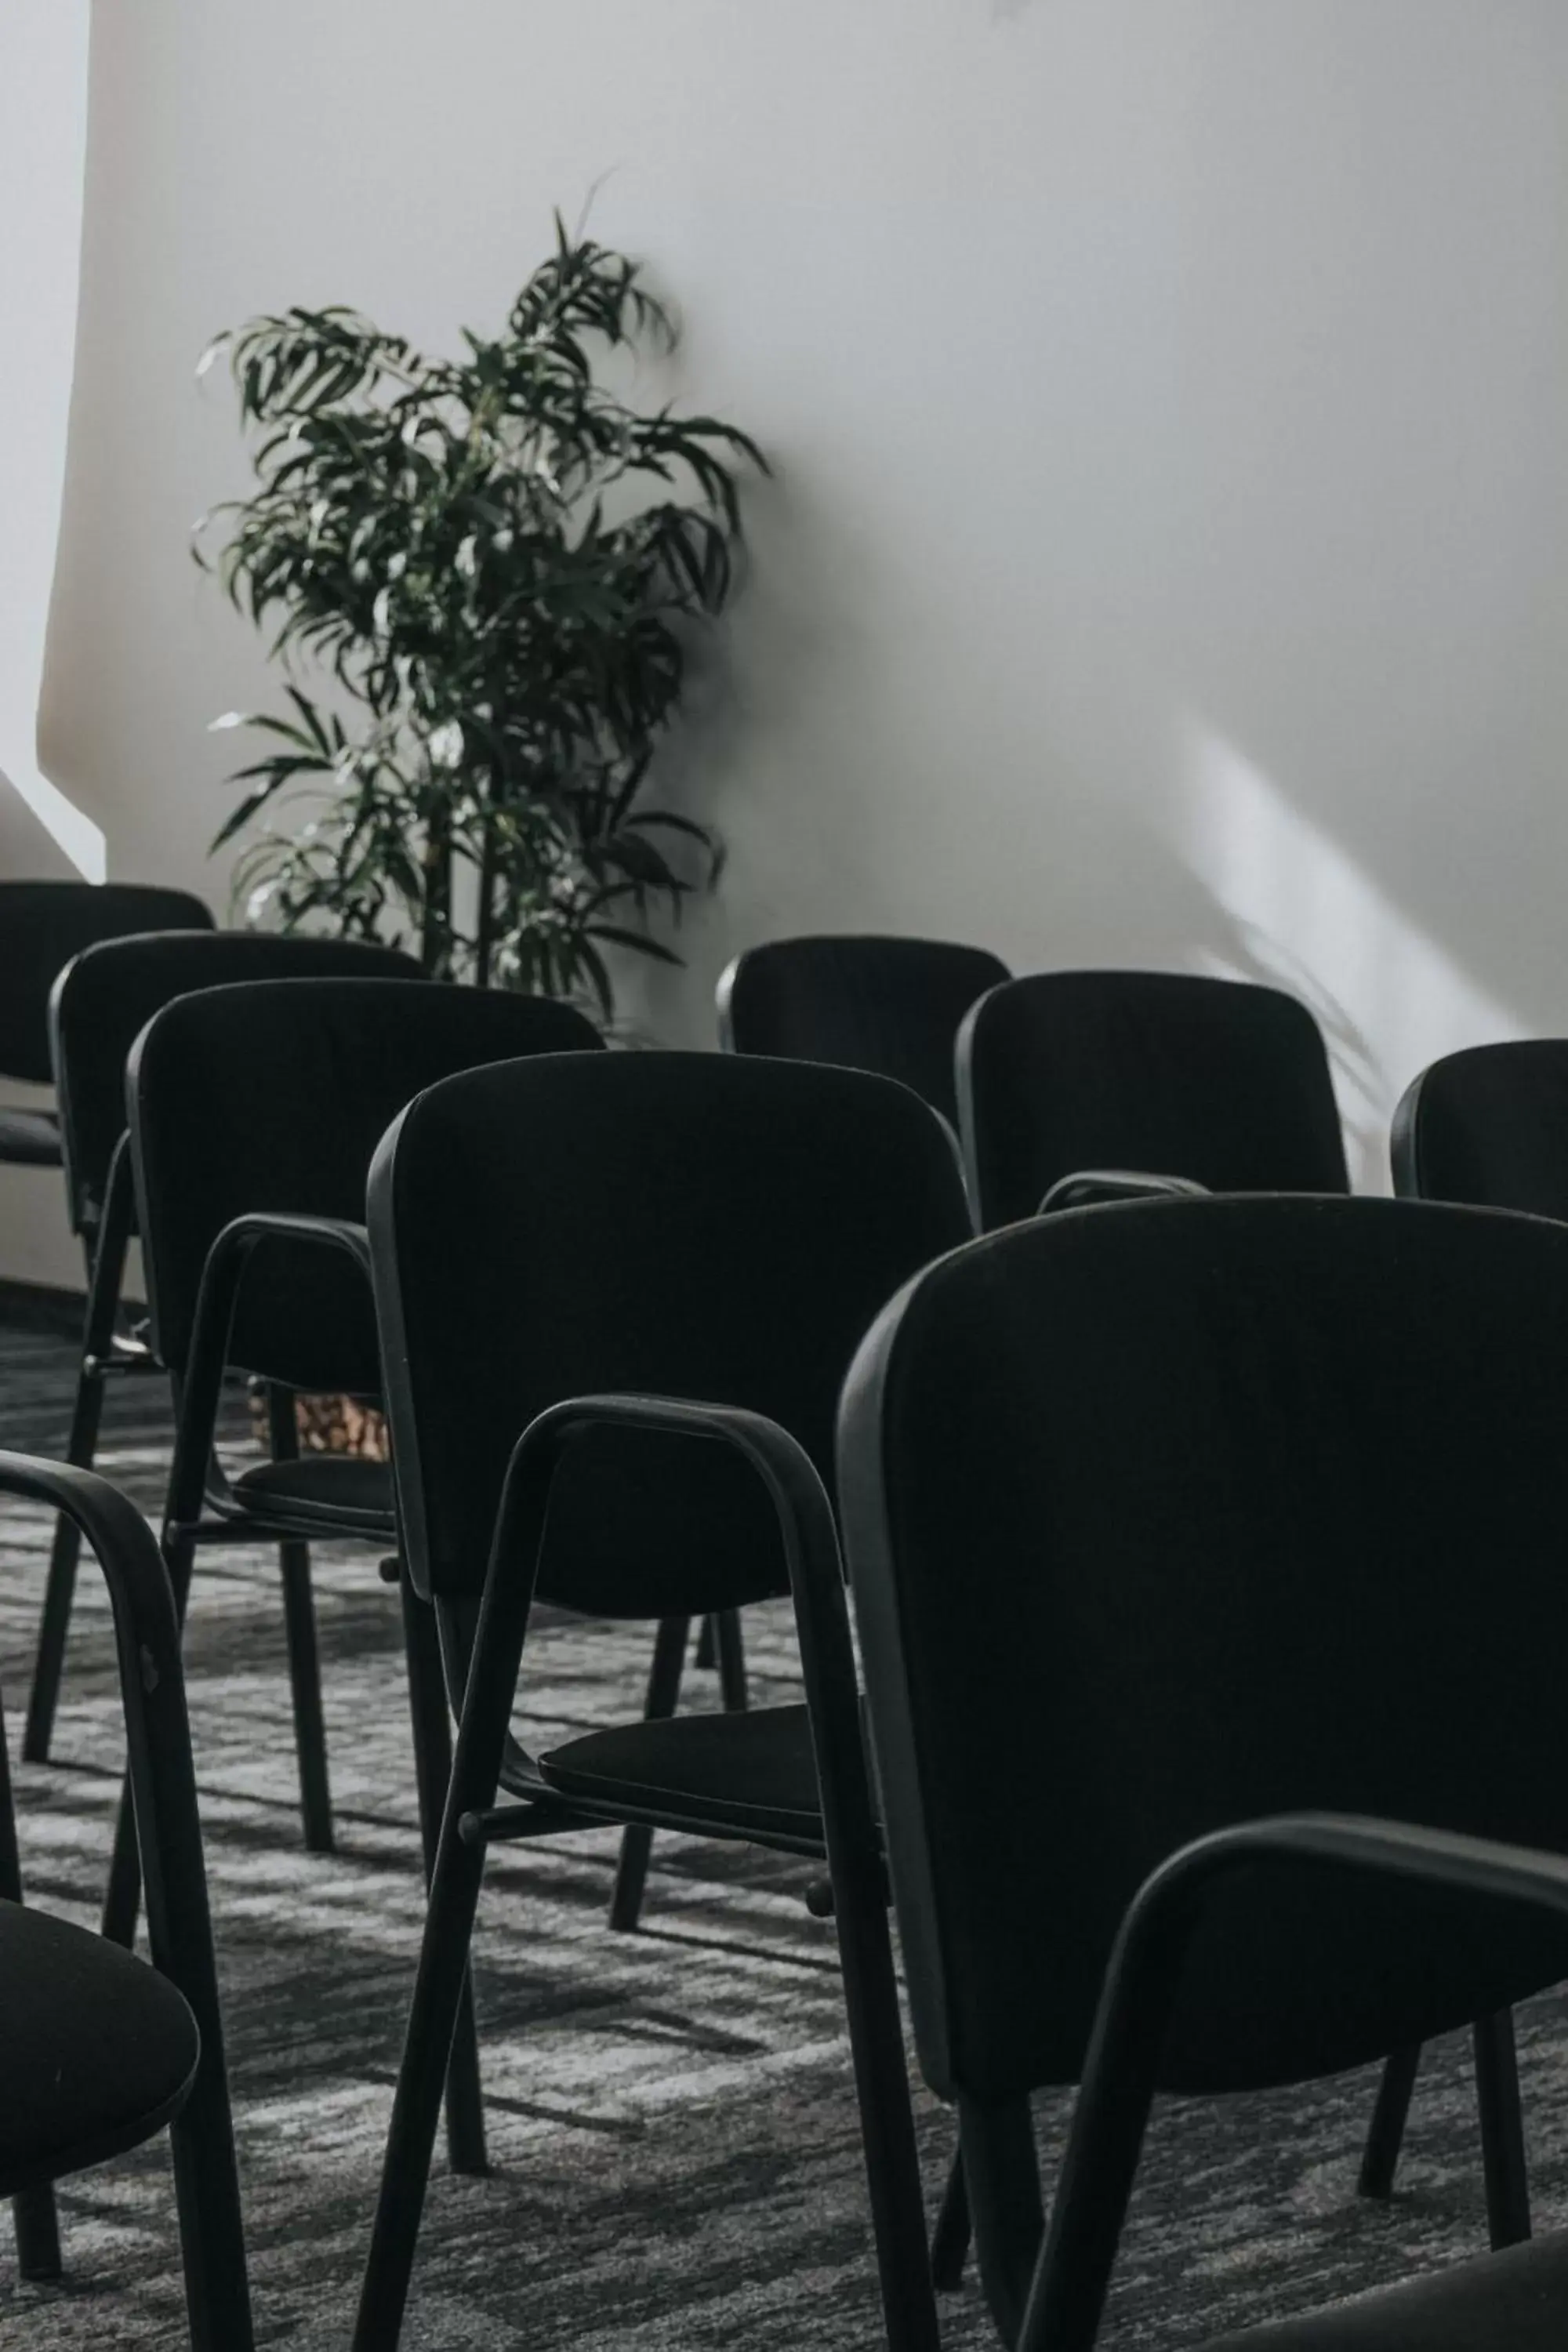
x=484, y=927
x=436, y=923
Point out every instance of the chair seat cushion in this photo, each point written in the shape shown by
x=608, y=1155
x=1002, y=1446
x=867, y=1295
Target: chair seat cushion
x=336, y=1494
x=97, y=2050
x=1513, y=2302
x=30, y=1138
x=750, y=1775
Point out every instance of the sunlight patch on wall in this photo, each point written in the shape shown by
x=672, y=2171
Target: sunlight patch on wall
x=1303, y=916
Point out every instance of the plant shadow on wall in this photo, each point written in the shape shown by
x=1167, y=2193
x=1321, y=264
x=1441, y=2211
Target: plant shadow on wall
x=500, y=562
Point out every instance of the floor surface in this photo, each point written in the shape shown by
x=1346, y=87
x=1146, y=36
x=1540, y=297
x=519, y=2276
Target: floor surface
x=673, y=2133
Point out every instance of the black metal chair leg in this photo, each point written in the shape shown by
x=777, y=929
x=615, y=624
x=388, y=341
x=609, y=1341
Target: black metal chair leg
x=707, y=1656
x=950, y=2237
x=59, y=1589
x=887, y=2123
x=1502, y=2130
x=406, y=2169
x=443, y=1964
x=305, y=1692
x=122, y=1895
x=304, y=1663
x=32, y=2216
x=433, y=1771
x=731, y=1660
x=36, y=2228
x=105, y=1276
x=637, y=1840
x=1387, y=2130
x=179, y=1925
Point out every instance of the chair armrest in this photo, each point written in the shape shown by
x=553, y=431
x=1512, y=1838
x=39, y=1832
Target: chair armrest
x=1088, y=1187
x=147, y=1635
x=810, y=1537
x=1141, y=1983
x=328, y=1233
x=780, y=1461
x=168, y=1828
x=222, y=1277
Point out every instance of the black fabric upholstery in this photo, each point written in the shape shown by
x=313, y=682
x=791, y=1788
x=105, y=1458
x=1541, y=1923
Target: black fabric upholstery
x=697, y=1225
x=1166, y=1515
x=891, y=1005
x=1489, y=1125
x=335, y=1492
x=42, y=926
x=30, y=1139
x=272, y=1096
x=97, y=2050
x=1513, y=2302
x=106, y=996
x=692, y=1769
x=1215, y=1080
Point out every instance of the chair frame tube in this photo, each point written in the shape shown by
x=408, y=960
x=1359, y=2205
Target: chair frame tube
x=1067, y=2295
x=195, y=1511
x=850, y=1829
x=179, y=1922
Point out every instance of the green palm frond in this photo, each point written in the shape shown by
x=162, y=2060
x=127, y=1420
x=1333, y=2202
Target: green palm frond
x=465, y=552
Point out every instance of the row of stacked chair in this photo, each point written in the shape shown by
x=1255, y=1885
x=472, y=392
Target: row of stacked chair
x=1253, y=1439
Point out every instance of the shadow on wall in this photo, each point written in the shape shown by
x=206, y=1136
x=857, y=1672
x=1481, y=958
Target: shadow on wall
x=796, y=642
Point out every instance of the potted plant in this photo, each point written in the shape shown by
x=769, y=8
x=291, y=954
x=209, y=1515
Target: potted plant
x=492, y=566
x=481, y=577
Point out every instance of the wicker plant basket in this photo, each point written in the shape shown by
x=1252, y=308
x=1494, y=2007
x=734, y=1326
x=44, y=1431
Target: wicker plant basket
x=327, y=1424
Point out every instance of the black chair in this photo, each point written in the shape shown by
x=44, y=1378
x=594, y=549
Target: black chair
x=862, y=1001
x=252, y=1120
x=1066, y=1081
x=1216, y=1081
x=1204, y=1469
x=254, y=1111
x=99, y=2051
x=100, y=1004
x=42, y=926
x=891, y=1005
x=580, y=1248
x=1488, y=1127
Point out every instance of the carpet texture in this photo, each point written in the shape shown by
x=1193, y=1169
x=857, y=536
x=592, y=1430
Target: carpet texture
x=671, y=2124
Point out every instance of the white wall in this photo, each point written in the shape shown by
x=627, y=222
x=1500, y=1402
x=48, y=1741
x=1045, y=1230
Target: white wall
x=43, y=137
x=1168, y=560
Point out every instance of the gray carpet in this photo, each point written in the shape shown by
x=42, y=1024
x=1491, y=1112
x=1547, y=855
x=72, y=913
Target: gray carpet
x=673, y=2133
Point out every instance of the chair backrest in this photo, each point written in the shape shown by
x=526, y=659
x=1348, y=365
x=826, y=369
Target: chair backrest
x=1168, y=1515
x=891, y=1005
x=690, y=1224
x=272, y=1096
x=1217, y=1080
x=1489, y=1125
x=42, y=926
x=105, y=997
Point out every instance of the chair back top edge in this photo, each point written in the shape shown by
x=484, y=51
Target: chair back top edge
x=43, y=925
x=1224, y=1082
x=270, y=1096
x=862, y=1001
x=106, y=995
x=1487, y=1126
